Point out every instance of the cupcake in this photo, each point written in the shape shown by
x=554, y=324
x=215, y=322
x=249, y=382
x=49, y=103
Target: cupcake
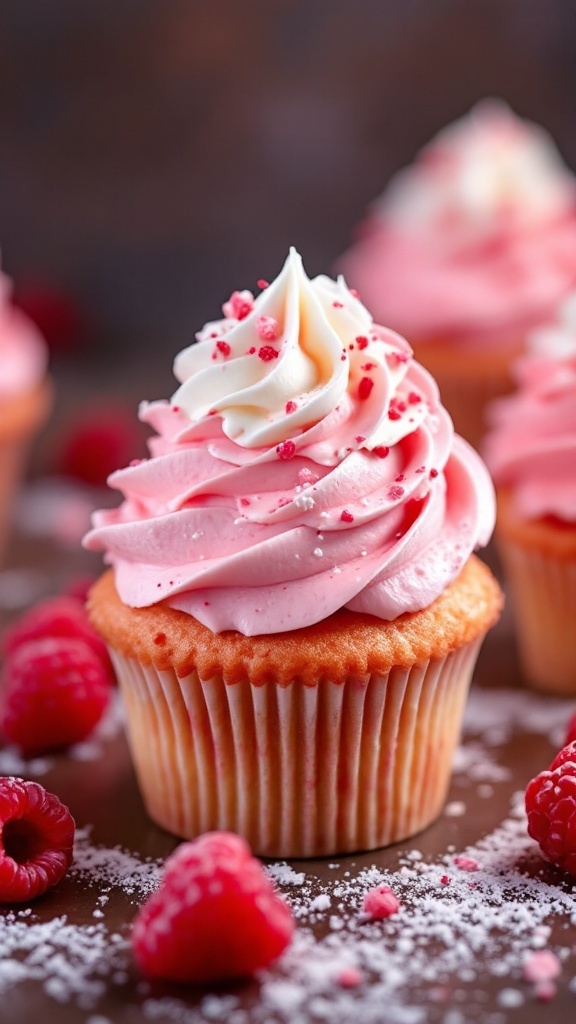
x=468, y=250
x=531, y=450
x=294, y=609
x=25, y=398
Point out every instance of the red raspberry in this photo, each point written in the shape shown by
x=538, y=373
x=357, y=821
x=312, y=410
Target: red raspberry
x=99, y=441
x=215, y=916
x=551, y=810
x=56, y=617
x=571, y=733
x=36, y=840
x=55, y=691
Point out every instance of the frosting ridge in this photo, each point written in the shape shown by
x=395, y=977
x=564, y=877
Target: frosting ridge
x=304, y=464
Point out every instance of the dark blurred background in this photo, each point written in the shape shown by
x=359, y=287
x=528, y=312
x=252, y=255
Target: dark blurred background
x=157, y=154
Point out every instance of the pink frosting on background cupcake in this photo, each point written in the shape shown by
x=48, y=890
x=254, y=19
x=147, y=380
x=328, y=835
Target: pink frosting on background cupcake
x=23, y=353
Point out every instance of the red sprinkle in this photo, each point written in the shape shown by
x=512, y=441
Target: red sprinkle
x=381, y=451
x=267, y=328
x=223, y=347
x=346, y=516
x=291, y=407
x=433, y=473
x=266, y=353
x=364, y=388
x=362, y=341
x=286, y=450
x=393, y=414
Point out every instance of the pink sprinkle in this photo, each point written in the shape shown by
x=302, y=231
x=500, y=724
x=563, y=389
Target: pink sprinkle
x=364, y=388
x=433, y=473
x=445, y=880
x=395, y=492
x=359, y=438
x=291, y=407
x=362, y=341
x=286, y=450
x=267, y=328
x=346, y=516
x=244, y=501
x=223, y=347
x=349, y=977
x=262, y=283
x=239, y=305
x=543, y=965
x=338, y=305
x=380, y=902
x=266, y=353
x=466, y=863
x=414, y=398
x=381, y=451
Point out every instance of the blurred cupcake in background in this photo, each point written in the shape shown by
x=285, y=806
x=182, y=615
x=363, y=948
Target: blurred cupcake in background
x=25, y=398
x=468, y=250
x=531, y=451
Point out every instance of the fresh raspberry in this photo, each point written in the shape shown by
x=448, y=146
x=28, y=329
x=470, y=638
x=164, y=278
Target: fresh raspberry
x=380, y=902
x=55, y=691
x=571, y=732
x=215, y=916
x=551, y=810
x=36, y=840
x=99, y=441
x=56, y=617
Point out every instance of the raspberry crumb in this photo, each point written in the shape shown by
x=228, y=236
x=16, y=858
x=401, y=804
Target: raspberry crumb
x=262, y=283
x=359, y=438
x=213, y=889
x=381, y=451
x=239, y=305
x=36, y=840
x=290, y=407
x=286, y=450
x=349, y=977
x=362, y=341
x=266, y=353
x=364, y=388
x=433, y=474
x=380, y=902
x=346, y=516
x=445, y=880
x=267, y=328
x=414, y=398
x=395, y=492
x=466, y=863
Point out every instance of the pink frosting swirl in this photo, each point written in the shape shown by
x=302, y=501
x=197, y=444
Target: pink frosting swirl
x=23, y=352
x=531, y=446
x=304, y=464
x=477, y=240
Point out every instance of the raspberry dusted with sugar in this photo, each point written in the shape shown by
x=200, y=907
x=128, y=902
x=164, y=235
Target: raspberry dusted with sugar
x=551, y=810
x=36, y=840
x=216, y=915
x=56, y=690
x=380, y=902
x=239, y=305
x=56, y=617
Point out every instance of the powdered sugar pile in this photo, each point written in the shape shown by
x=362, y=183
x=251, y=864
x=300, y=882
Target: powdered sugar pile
x=470, y=917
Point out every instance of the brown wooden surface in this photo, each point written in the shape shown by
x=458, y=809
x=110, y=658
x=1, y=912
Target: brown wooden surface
x=103, y=794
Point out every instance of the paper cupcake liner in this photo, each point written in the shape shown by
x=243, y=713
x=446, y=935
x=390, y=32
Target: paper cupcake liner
x=543, y=591
x=298, y=771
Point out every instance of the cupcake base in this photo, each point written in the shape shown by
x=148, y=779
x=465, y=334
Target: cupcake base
x=20, y=419
x=326, y=740
x=539, y=560
x=468, y=377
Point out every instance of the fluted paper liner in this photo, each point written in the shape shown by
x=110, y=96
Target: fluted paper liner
x=299, y=771
x=543, y=589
